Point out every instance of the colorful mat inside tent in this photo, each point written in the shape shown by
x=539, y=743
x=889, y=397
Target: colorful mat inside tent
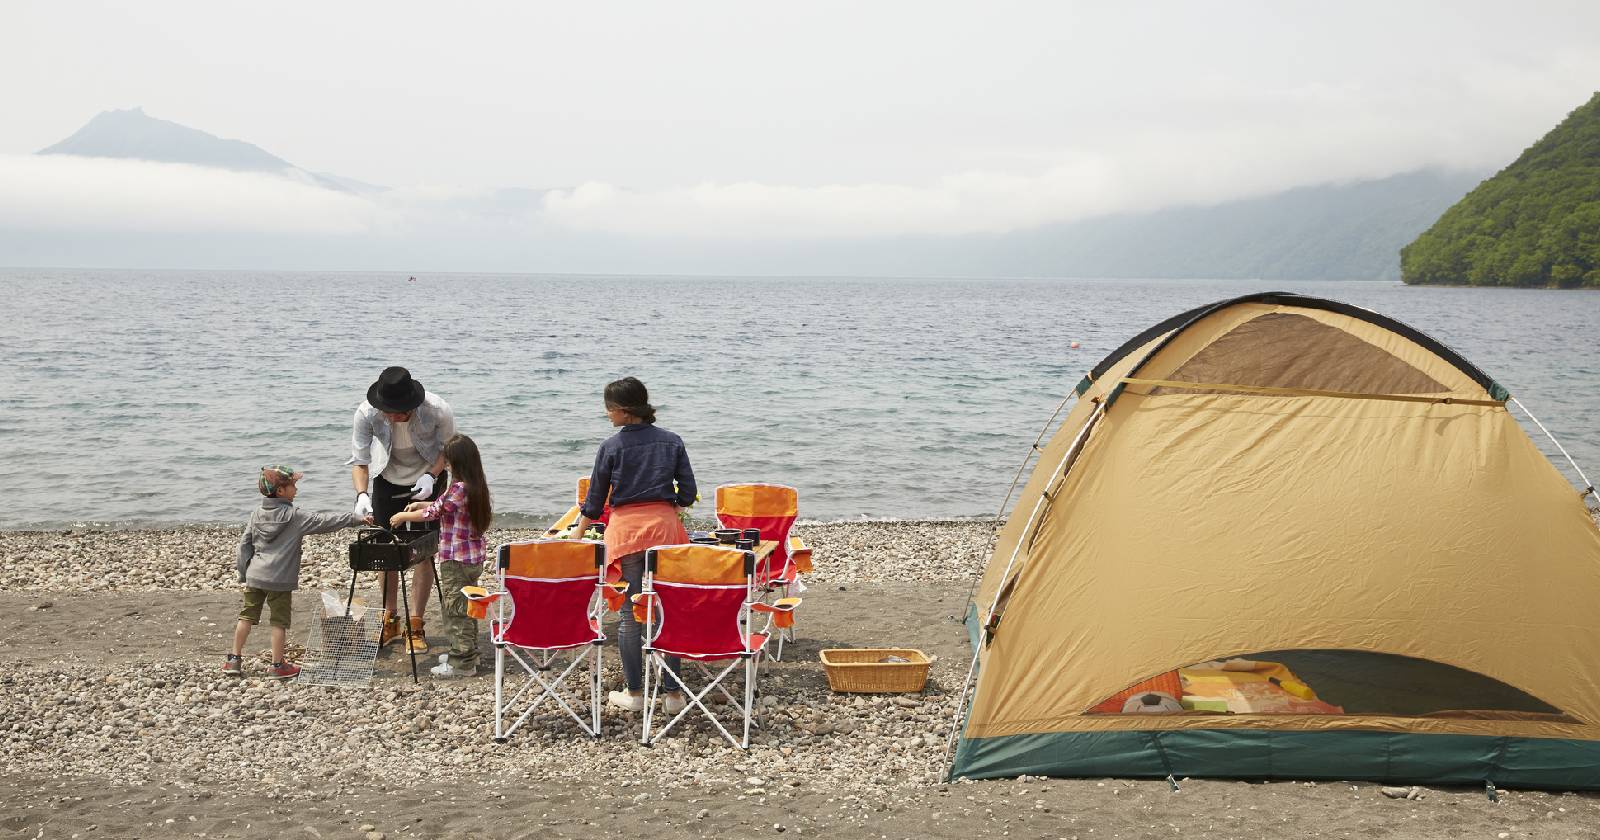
x=1247, y=687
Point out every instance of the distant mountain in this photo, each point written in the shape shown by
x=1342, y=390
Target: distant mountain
x=1535, y=223
x=1328, y=232
x=134, y=134
x=1347, y=231
x=1351, y=230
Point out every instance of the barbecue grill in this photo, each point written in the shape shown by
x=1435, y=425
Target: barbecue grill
x=385, y=550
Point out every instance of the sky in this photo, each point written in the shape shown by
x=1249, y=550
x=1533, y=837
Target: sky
x=740, y=121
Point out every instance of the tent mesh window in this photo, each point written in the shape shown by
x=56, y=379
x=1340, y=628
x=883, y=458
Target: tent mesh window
x=1282, y=350
x=342, y=649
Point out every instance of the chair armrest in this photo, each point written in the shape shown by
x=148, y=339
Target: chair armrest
x=782, y=605
x=615, y=594
x=800, y=554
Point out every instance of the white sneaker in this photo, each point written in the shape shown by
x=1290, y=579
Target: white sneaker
x=673, y=703
x=445, y=671
x=624, y=700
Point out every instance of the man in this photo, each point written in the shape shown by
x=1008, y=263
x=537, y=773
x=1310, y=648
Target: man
x=397, y=455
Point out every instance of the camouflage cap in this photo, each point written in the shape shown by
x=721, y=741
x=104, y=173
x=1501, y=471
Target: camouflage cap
x=275, y=477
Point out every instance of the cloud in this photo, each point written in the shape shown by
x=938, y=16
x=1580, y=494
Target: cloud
x=61, y=192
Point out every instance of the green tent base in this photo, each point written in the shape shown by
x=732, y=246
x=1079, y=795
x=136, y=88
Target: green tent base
x=1344, y=755
x=1392, y=757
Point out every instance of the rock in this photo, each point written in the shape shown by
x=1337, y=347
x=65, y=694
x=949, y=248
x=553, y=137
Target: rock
x=753, y=781
x=366, y=827
x=375, y=835
x=906, y=702
x=703, y=812
x=1395, y=792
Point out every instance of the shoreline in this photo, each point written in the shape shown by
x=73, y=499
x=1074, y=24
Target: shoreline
x=520, y=522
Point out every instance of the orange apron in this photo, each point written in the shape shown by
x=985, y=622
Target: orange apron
x=636, y=527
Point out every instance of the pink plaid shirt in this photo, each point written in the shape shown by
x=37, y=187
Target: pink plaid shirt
x=456, y=541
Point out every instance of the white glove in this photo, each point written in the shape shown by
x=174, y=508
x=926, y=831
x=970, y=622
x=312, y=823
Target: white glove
x=363, y=505
x=424, y=487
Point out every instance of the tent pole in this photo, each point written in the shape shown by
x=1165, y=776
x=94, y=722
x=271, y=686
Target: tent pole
x=999, y=514
x=966, y=685
x=1588, y=486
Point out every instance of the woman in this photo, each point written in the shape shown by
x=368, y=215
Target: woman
x=645, y=471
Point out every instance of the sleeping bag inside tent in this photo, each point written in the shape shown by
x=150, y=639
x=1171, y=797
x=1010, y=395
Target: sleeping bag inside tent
x=1284, y=537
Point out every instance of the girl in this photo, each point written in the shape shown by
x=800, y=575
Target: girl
x=645, y=470
x=463, y=513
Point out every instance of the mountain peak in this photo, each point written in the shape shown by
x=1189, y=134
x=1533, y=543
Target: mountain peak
x=132, y=133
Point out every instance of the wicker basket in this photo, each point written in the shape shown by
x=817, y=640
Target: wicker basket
x=863, y=669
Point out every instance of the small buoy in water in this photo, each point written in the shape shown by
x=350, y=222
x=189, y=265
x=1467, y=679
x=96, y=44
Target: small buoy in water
x=1074, y=345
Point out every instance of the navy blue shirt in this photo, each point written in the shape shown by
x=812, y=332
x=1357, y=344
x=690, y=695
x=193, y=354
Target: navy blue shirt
x=639, y=464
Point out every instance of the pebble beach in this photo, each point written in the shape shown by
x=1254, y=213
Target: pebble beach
x=115, y=722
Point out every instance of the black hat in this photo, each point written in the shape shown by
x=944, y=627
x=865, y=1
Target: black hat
x=395, y=391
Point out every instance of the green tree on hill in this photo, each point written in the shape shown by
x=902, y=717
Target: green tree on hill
x=1535, y=223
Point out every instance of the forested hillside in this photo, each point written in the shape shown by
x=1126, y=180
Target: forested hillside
x=1536, y=223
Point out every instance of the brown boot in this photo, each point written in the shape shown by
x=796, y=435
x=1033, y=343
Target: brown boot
x=418, y=643
x=392, y=630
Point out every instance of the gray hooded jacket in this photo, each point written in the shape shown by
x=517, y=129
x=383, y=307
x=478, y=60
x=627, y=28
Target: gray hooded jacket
x=269, y=551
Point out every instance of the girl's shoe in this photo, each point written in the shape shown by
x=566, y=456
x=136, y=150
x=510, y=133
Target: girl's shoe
x=392, y=630
x=624, y=700
x=416, y=642
x=446, y=671
x=673, y=703
x=233, y=666
x=283, y=671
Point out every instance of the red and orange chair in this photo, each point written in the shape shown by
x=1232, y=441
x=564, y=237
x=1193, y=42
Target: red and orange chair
x=700, y=603
x=550, y=604
x=771, y=509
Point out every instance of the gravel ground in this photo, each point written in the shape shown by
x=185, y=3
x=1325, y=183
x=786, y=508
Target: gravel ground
x=115, y=723
x=105, y=560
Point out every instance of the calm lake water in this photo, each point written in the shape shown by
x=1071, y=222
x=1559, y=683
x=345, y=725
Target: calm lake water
x=139, y=397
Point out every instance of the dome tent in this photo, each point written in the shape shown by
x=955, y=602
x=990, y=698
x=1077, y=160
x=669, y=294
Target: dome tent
x=1289, y=478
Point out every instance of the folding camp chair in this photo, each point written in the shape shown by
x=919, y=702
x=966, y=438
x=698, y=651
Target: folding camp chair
x=550, y=604
x=583, y=493
x=771, y=509
x=697, y=604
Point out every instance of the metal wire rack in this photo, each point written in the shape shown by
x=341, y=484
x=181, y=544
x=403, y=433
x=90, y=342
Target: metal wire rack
x=342, y=649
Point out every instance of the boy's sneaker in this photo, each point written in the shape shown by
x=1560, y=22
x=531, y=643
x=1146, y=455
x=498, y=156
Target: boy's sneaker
x=283, y=671
x=673, y=703
x=446, y=671
x=624, y=700
x=233, y=666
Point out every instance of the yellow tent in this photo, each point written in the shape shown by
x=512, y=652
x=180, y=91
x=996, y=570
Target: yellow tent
x=1322, y=491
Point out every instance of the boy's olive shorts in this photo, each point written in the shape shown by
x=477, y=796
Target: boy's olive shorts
x=278, y=601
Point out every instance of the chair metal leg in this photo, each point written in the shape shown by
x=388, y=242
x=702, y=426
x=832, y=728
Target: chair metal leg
x=499, y=681
x=594, y=687
x=649, y=701
x=749, y=698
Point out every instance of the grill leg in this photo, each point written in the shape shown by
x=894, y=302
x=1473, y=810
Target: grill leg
x=437, y=585
x=405, y=602
x=351, y=598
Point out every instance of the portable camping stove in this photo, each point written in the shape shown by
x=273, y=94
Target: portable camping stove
x=383, y=550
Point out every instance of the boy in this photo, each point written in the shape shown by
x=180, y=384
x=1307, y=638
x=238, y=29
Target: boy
x=269, y=563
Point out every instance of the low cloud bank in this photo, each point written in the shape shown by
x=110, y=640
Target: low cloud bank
x=61, y=192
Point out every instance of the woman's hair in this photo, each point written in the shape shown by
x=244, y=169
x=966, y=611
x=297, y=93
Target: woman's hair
x=467, y=468
x=629, y=394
